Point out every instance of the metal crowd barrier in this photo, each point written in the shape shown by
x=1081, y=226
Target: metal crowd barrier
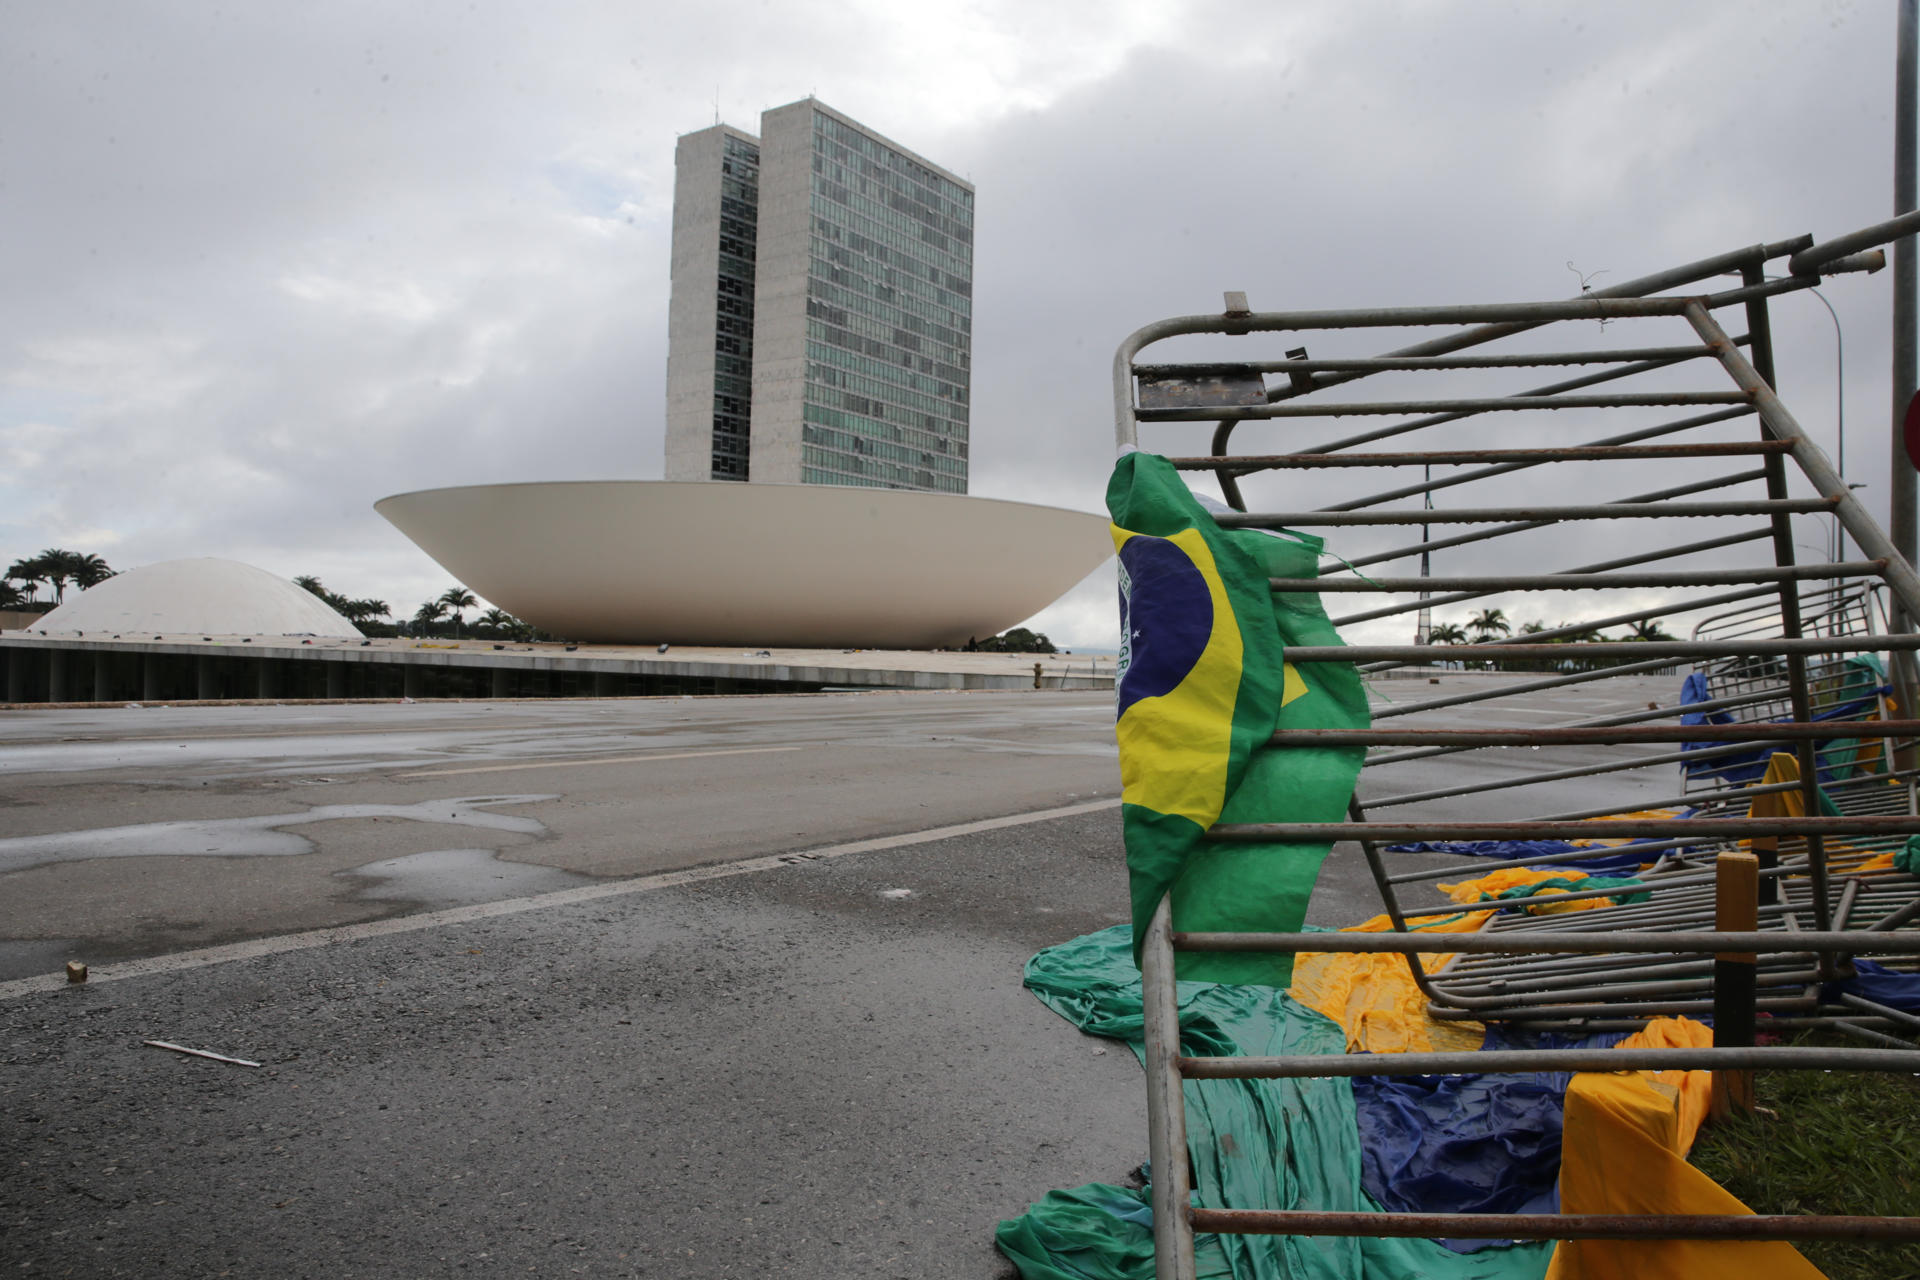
x=1701, y=536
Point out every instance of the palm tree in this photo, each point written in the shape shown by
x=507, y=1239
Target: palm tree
x=358, y=611
x=307, y=582
x=497, y=621
x=1446, y=633
x=429, y=613
x=90, y=571
x=30, y=573
x=1489, y=623
x=457, y=601
x=1650, y=631
x=11, y=597
x=57, y=568
x=1533, y=628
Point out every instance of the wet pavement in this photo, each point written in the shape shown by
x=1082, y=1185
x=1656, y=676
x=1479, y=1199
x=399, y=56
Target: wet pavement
x=614, y=1013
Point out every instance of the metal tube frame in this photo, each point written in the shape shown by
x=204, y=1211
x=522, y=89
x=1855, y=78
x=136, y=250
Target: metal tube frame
x=1623, y=962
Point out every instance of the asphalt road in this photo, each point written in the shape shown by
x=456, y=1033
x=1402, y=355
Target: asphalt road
x=719, y=1015
x=134, y=832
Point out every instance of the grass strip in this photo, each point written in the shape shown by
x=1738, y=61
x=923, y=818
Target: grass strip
x=1839, y=1142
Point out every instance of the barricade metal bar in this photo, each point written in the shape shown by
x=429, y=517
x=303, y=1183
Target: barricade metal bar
x=1520, y=649
x=1656, y=357
x=1779, y=420
x=1491, y=515
x=1249, y=464
x=1556, y=1226
x=1496, y=1061
x=1430, y=484
x=1489, y=404
x=1747, y=734
x=1704, y=829
x=1489, y=583
x=1843, y=942
x=1775, y=654
x=1166, y=1100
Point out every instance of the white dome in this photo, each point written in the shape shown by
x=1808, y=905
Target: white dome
x=796, y=565
x=207, y=596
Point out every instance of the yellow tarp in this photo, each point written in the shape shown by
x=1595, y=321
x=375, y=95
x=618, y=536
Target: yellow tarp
x=1624, y=1145
x=1375, y=997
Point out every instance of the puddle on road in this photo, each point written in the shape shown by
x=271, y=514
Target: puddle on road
x=261, y=837
x=456, y=877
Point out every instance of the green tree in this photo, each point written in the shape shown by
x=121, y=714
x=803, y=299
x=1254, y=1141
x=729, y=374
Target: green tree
x=457, y=601
x=58, y=568
x=29, y=573
x=1446, y=633
x=1018, y=640
x=1650, y=630
x=429, y=615
x=90, y=571
x=1489, y=623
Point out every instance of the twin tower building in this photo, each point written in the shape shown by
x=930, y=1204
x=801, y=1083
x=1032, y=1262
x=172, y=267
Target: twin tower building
x=821, y=324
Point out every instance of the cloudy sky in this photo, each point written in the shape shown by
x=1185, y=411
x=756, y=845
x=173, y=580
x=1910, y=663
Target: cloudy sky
x=266, y=263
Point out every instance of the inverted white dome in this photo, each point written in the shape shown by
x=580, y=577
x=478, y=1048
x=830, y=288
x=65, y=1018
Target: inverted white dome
x=208, y=596
x=794, y=565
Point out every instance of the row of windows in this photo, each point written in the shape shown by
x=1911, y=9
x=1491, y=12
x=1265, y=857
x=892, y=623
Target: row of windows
x=910, y=254
x=869, y=428
x=842, y=144
x=893, y=335
x=940, y=397
x=897, y=172
x=933, y=483
x=894, y=340
x=900, y=271
x=877, y=350
x=860, y=407
x=876, y=377
x=939, y=248
x=894, y=310
x=951, y=439
x=843, y=187
x=910, y=247
x=910, y=333
x=842, y=183
x=906, y=241
x=853, y=443
x=906, y=470
x=884, y=285
x=874, y=388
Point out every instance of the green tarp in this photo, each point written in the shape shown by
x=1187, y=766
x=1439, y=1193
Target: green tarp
x=1290, y=1144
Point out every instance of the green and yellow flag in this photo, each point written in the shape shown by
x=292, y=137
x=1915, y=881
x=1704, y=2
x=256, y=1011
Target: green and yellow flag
x=1202, y=685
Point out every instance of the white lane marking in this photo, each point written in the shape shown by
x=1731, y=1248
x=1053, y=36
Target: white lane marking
x=562, y=764
x=258, y=947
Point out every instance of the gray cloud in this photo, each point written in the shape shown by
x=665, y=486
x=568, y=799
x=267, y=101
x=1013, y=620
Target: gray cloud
x=268, y=264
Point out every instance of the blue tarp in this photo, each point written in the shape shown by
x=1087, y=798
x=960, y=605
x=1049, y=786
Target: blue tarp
x=1604, y=859
x=1865, y=680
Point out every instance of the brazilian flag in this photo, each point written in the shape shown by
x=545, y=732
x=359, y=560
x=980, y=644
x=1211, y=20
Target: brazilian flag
x=1203, y=683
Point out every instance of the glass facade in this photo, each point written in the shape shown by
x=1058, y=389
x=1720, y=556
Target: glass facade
x=889, y=318
x=733, y=326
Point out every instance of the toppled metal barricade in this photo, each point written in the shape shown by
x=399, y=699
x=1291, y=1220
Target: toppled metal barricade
x=1702, y=534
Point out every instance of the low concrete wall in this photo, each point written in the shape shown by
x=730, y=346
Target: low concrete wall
x=36, y=669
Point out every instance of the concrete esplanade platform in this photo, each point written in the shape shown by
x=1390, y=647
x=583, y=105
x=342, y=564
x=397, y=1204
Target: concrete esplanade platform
x=43, y=668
